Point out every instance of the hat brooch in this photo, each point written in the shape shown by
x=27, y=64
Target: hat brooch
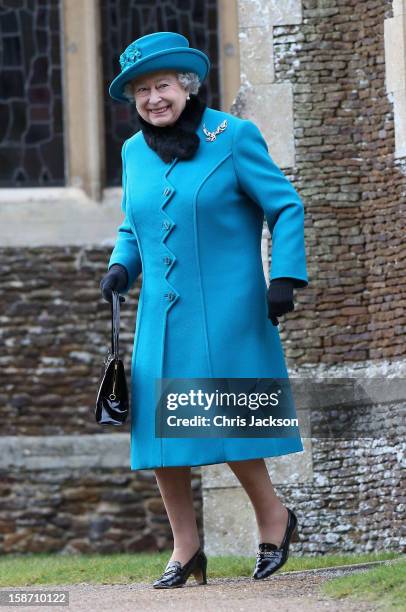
x=211, y=136
x=130, y=55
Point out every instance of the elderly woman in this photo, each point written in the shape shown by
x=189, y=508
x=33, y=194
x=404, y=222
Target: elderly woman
x=196, y=185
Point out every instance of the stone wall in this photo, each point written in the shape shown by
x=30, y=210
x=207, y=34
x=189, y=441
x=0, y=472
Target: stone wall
x=76, y=493
x=331, y=55
x=55, y=332
x=351, y=506
x=71, y=511
x=344, y=506
x=354, y=191
x=347, y=487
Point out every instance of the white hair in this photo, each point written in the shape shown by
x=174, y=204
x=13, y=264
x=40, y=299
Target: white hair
x=189, y=81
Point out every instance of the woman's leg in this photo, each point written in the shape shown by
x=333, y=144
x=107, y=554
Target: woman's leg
x=271, y=514
x=176, y=489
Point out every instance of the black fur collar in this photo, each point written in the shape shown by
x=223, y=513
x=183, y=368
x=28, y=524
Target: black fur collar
x=177, y=140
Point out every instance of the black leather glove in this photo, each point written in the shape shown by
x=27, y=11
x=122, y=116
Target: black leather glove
x=280, y=298
x=116, y=279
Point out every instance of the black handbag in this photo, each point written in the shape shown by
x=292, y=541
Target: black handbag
x=112, y=397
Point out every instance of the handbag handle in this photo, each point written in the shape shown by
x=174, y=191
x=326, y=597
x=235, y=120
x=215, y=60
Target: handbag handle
x=115, y=323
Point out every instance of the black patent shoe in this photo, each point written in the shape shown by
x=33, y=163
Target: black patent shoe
x=176, y=576
x=270, y=558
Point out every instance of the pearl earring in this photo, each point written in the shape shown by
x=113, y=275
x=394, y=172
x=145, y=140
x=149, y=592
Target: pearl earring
x=188, y=98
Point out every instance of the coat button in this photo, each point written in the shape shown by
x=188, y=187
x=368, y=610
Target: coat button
x=167, y=191
x=170, y=296
x=167, y=260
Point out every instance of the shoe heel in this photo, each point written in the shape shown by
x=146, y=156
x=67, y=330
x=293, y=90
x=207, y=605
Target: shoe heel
x=295, y=536
x=200, y=572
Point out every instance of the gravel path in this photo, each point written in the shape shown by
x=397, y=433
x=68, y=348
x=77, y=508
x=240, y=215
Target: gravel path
x=289, y=592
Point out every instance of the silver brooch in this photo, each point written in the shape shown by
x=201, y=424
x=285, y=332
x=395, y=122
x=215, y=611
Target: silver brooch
x=210, y=136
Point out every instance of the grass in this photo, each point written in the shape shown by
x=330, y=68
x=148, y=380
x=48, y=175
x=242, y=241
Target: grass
x=43, y=568
x=385, y=586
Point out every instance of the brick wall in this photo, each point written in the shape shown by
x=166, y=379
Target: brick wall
x=55, y=332
x=352, y=186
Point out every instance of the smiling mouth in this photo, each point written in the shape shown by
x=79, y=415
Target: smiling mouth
x=160, y=111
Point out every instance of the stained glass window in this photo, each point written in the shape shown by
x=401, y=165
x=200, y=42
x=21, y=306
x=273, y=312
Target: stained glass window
x=31, y=122
x=125, y=20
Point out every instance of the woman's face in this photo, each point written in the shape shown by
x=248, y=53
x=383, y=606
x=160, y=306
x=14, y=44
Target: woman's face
x=158, y=90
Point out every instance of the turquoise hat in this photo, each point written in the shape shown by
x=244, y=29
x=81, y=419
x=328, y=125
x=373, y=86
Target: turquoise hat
x=158, y=51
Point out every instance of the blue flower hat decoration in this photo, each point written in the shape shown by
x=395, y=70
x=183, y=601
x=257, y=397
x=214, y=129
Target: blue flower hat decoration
x=130, y=55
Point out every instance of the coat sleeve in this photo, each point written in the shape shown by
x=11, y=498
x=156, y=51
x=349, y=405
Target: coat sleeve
x=126, y=251
x=263, y=181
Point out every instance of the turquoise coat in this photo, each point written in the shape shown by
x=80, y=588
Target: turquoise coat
x=193, y=228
